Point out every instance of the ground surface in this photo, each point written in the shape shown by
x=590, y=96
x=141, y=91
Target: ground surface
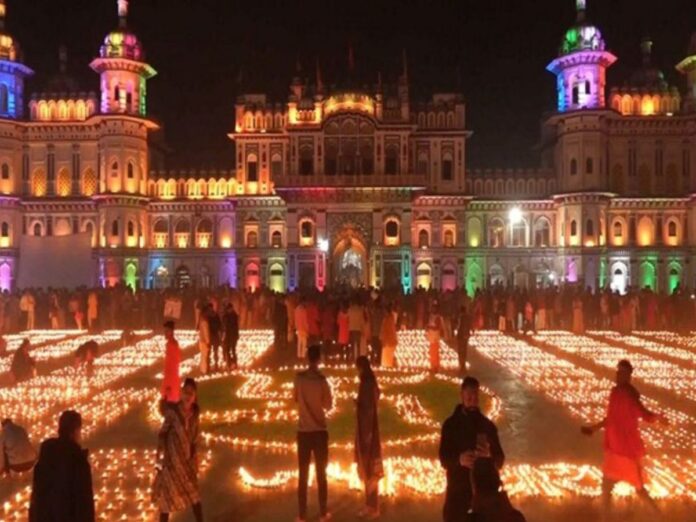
x=545, y=388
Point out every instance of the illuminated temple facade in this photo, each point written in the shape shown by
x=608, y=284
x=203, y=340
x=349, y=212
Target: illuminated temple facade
x=357, y=185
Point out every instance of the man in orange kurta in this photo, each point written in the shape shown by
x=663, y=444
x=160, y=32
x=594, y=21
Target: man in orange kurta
x=172, y=358
x=623, y=447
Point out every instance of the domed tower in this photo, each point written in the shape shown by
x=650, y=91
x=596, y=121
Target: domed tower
x=647, y=92
x=581, y=66
x=688, y=67
x=124, y=72
x=12, y=73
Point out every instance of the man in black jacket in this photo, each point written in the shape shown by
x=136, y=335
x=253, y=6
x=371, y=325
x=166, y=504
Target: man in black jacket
x=467, y=435
x=62, y=489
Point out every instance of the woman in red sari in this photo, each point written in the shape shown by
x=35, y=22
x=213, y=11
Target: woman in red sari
x=368, y=447
x=623, y=447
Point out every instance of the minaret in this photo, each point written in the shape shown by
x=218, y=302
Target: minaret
x=688, y=67
x=12, y=73
x=581, y=66
x=124, y=72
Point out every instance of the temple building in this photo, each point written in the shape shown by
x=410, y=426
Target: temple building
x=357, y=185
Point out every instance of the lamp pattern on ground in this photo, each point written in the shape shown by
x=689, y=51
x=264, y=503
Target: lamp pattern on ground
x=123, y=476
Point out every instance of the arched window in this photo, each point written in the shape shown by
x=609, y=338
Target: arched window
x=114, y=169
x=573, y=167
x=618, y=229
x=252, y=168
x=449, y=238
x=276, y=239
x=573, y=228
x=252, y=239
x=672, y=229
x=542, y=233
x=131, y=170
x=306, y=231
x=37, y=229
x=391, y=229
x=114, y=227
x=589, y=227
x=589, y=166
x=519, y=233
x=89, y=183
x=423, y=238
x=5, y=229
x=38, y=183
x=276, y=166
x=496, y=233
x=5, y=171
x=131, y=229
x=63, y=183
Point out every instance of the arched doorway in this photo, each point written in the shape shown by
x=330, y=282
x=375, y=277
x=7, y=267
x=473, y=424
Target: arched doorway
x=496, y=276
x=5, y=277
x=424, y=276
x=160, y=277
x=251, y=277
x=131, y=276
x=449, y=277
x=647, y=276
x=349, y=261
x=474, y=279
x=276, y=278
x=674, y=279
x=619, y=278
x=183, y=277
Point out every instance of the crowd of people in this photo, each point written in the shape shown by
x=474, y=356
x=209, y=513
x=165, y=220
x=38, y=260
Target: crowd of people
x=359, y=326
x=567, y=306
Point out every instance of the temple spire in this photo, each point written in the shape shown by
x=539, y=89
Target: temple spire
x=122, y=13
x=404, y=66
x=581, y=7
x=320, y=82
x=646, y=48
x=351, y=58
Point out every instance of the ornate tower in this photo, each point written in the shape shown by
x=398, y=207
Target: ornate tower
x=581, y=66
x=12, y=73
x=688, y=67
x=124, y=73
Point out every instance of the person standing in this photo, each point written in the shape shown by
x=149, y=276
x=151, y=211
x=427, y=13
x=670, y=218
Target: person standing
x=313, y=397
x=215, y=328
x=230, y=325
x=16, y=450
x=172, y=361
x=623, y=447
x=376, y=313
x=204, y=340
x=467, y=436
x=388, y=337
x=463, y=334
x=368, y=447
x=434, y=333
x=302, y=328
x=176, y=483
x=343, y=332
x=280, y=323
x=356, y=327
x=92, y=309
x=62, y=484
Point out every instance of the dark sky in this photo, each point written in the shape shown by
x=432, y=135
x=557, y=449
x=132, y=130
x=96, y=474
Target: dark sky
x=495, y=51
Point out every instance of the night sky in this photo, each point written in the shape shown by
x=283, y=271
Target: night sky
x=494, y=51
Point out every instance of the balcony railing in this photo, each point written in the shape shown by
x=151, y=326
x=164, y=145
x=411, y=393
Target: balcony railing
x=373, y=180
